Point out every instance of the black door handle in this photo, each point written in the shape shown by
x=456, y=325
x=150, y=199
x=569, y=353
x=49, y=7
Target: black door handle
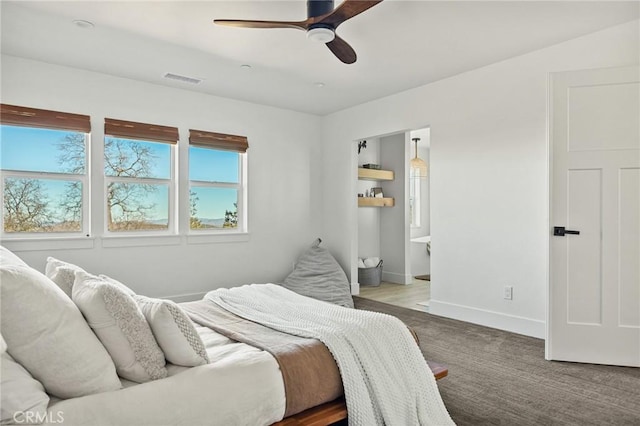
x=560, y=231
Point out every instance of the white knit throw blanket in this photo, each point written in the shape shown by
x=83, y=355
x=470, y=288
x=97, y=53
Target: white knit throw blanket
x=385, y=377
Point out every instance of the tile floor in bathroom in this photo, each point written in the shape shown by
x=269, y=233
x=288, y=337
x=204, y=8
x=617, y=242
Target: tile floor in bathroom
x=413, y=296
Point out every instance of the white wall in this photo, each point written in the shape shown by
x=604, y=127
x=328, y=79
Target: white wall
x=368, y=217
x=284, y=186
x=394, y=221
x=488, y=178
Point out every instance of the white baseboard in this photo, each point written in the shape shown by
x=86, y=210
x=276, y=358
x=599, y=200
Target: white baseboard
x=191, y=297
x=392, y=277
x=512, y=323
x=355, y=288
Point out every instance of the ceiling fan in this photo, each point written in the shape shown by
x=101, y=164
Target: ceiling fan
x=320, y=25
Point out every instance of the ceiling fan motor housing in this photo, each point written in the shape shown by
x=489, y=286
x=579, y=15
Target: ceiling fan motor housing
x=319, y=7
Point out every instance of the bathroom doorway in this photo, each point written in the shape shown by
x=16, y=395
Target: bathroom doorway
x=402, y=245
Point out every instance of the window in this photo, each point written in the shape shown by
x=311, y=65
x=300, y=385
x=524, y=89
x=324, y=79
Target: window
x=139, y=175
x=217, y=199
x=44, y=168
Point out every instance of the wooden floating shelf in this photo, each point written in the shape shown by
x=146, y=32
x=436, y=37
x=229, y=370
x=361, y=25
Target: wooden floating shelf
x=375, y=202
x=373, y=174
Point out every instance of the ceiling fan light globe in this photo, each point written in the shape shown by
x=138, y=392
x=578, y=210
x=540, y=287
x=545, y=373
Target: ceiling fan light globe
x=321, y=35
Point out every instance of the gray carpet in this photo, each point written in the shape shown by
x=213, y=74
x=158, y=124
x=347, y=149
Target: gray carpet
x=501, y=378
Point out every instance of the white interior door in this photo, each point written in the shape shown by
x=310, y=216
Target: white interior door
x=594, y=288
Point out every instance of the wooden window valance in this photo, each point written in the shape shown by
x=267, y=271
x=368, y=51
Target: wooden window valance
x=218, y=140
x=142, y=131
x=32, y=117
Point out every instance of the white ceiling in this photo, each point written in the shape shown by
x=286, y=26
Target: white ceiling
x=400, y=44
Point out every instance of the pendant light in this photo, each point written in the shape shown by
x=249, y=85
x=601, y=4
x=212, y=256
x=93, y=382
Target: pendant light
x=418, y=165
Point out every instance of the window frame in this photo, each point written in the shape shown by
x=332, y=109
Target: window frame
x=84, y=179
x=221, y=142
x=25, y=118
x=147, y=133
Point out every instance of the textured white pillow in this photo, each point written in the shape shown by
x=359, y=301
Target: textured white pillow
x=121, y=327
x=118, y=284
x=48, y=336
x=174, y=332
x=62, y=273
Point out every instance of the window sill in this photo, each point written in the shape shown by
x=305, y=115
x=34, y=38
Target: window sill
x=116, y=241
x=48, y=243
x=222, y=237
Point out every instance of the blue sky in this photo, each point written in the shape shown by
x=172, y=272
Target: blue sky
x=32, y=149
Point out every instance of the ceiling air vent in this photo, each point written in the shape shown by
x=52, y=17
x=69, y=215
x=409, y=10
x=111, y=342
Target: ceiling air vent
x=182, y=78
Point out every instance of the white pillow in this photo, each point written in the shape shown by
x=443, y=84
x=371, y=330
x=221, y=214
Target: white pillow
x=21, y=396
x=19, y=392
x=121, y=327
x=7, y=257
x=174, y=332
x=62, y=273
x=48, y=336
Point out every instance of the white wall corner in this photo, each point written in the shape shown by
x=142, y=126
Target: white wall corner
x=515, y=324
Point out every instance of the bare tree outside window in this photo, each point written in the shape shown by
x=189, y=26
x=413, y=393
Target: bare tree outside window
x=40, y=204
x=45, y=179
x=26, y=207
x=72, y=158
x=33, y=204
x=127, y=208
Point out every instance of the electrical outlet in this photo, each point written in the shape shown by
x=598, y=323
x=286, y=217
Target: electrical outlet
x=508, y=292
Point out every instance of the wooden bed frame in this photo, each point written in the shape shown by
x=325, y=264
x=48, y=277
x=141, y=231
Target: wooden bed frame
x=334, y=411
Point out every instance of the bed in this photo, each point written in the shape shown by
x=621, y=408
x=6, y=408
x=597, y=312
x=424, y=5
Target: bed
x=242, y=385
x=59, y=366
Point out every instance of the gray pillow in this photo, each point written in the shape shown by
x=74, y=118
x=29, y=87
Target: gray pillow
x=318, y=275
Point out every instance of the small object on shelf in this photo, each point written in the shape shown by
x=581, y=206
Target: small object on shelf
x=377, y=192
x=372, y=166
x=360, y=195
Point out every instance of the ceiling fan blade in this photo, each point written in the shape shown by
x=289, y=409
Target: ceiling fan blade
x=342, y=50
x=240, y=23
x=347, y=10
